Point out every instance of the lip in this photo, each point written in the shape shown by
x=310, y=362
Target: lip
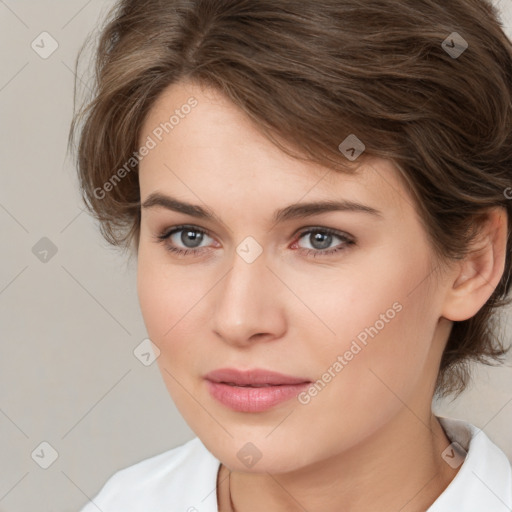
x=253, y=390
x=256, y=376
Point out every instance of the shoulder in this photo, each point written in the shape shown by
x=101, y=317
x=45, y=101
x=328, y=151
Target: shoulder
x=183, y=477
x=484, y=480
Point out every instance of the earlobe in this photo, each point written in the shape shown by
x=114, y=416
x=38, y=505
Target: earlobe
x=477, y=276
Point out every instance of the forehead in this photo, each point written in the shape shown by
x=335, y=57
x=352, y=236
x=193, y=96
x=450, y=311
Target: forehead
x=212, y=148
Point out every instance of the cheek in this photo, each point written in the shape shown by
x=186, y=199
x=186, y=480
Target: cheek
x=381, y=351
x=155, y=301
x=166, y=294
x=372, y=366
x=164, y=304
x=380, y=321
x=172, y=304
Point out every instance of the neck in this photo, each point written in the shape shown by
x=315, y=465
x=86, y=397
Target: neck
x=399, y=468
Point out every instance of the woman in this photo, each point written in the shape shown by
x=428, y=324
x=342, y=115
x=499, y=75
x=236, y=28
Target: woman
x=316, y=194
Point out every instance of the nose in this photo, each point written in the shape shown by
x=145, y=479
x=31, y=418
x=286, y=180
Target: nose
x=249, y=303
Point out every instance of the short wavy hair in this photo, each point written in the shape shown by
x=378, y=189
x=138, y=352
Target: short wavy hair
x=426, y=84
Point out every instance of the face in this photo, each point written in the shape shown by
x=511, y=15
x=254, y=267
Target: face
x=341, y=299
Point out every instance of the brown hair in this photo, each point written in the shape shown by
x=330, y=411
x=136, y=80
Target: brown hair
x=311, y=73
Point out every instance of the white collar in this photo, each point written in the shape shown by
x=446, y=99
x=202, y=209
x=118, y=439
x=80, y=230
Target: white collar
x=484, y=480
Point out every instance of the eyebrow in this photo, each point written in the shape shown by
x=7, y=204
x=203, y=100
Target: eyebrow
x=293, y=211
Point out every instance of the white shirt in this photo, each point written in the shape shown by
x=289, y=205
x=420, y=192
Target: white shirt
x=184, y=479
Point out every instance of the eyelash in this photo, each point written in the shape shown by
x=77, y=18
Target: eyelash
x=345, y=239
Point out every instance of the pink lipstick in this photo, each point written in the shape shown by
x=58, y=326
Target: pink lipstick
x=253, y=390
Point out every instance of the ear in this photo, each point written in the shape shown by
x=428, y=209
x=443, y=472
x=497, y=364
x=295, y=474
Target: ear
x=475, y=278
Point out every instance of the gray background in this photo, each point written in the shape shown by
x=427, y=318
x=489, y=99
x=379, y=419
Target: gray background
x=69, y=325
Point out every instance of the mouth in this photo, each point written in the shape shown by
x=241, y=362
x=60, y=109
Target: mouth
x=253, y=390
x=250, y=385
x=253, y=378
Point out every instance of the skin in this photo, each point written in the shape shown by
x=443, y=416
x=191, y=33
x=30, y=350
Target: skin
x=369, y=436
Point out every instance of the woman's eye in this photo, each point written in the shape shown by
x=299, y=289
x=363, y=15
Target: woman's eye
x=190, y=240
x=321, y=240
x=184, y=240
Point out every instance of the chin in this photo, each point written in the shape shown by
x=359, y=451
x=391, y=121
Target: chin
x=248, y=454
